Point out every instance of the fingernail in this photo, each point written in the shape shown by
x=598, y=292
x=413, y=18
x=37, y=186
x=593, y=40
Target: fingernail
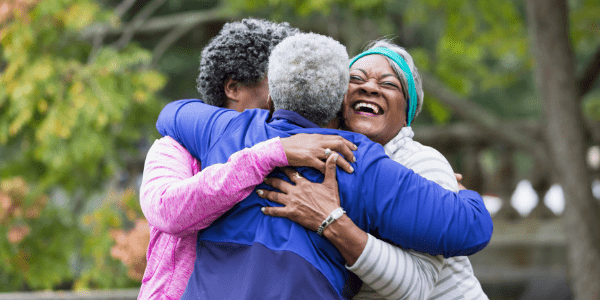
x=260, y=192
x=335, y=157
x=353, y=158
x=262, y=209
x=355, y=147
x=351, y=169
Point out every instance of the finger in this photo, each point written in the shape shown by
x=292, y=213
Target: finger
x=350, y=145
x=458, y=176
x=330, y=170
x=275, y=211
x=343, y=147
x=319, y=165
x=272, y=196
x=293, y=175
x=344, y=164
x=279, y=184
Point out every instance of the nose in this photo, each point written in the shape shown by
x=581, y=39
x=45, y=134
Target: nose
x=370, y=87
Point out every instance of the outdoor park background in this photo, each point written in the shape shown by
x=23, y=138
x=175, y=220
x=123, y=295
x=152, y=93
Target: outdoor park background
x=512, y=99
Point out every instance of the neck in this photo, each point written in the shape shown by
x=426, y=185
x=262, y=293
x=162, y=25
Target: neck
x=334, y=124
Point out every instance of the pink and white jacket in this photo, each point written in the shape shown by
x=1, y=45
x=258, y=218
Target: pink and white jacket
x=174, y=200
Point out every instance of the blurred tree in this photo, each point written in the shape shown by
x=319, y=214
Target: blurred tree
x=70, y=110
x=564, y=130
x=71, y=114
x=37, y=244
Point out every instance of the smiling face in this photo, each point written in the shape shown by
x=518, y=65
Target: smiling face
x=374, y=105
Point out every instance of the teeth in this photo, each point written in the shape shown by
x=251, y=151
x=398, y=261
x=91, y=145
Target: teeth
x=368, y=105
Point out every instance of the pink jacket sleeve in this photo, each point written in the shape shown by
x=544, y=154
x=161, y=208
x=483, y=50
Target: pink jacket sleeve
x=179, y=200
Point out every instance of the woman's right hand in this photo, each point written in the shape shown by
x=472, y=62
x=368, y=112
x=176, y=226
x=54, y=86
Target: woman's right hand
x=308, y=150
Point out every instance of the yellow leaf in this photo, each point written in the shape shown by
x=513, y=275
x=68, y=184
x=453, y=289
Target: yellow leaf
x=18, y=123
x=22, y=91
x=76, y=88
x=80, y=15
x=42, y=71
x=102, y=120
x=154, y=81
x=140, y=96
x=78, y=101
x=42, y=106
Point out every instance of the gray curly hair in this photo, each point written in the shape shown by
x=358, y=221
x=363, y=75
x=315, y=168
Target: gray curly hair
x=308, y=74
x=409, y=60
x=241, y=52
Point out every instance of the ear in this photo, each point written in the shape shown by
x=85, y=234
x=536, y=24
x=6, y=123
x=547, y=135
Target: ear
x=270, y=104
x=231, y=88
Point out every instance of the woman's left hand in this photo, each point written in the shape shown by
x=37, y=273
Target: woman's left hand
x=306, y=203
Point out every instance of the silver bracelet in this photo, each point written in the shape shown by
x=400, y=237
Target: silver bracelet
x=336, y=214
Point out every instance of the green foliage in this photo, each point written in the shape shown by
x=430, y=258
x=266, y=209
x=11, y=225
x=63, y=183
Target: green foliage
x=439, y=113
x=69, y=115
x=39, y=243
x=66, y=113
x=482, y=44
x=591, y=106
x=303, y=8
x=102, y=270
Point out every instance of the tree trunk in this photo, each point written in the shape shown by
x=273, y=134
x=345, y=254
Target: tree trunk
x=564, y=132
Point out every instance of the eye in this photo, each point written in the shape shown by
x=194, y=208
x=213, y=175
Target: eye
x=391, y=84
x=356, y=77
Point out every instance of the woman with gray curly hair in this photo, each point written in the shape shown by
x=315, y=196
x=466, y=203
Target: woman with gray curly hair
x=308, y=74
x=384, y=96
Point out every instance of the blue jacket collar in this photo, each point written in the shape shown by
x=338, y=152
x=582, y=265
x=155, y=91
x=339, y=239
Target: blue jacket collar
x=294, y=117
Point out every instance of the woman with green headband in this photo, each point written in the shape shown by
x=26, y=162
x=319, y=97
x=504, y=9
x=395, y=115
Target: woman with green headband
x=384, y=96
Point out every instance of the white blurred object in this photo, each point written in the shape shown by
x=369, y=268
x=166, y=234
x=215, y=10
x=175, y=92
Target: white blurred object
x=524, y=199
x=596, y=188
x=593, y=157
x=555, y=199
x=492, y=203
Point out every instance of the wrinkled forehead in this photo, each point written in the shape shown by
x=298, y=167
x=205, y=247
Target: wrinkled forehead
x=373, y=63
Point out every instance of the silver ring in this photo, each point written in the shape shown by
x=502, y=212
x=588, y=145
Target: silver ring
x=327, y=152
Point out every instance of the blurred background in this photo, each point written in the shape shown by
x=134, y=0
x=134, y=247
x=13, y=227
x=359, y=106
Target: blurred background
x=512, y=100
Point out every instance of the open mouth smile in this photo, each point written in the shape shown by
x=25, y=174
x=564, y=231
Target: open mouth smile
x=367, y=108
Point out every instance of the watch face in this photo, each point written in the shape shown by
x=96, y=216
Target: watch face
x=337, y=213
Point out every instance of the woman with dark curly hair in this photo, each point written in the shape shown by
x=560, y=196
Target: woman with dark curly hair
x=239, y=55
x=177, y=199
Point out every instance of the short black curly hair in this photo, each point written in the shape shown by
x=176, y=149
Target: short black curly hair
x=241, y=52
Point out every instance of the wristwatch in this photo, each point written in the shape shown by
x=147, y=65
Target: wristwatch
x=336, y=214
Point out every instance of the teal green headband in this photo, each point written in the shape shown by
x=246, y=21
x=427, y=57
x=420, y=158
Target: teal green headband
x=412, y=92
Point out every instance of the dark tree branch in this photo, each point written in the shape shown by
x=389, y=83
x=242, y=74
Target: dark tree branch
x=467, y=133
x=163, y=23
x=137, y=22
x=119, y=11
x=168, y=40
x=123, y=7
x=589, y=76
x=486, y=121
